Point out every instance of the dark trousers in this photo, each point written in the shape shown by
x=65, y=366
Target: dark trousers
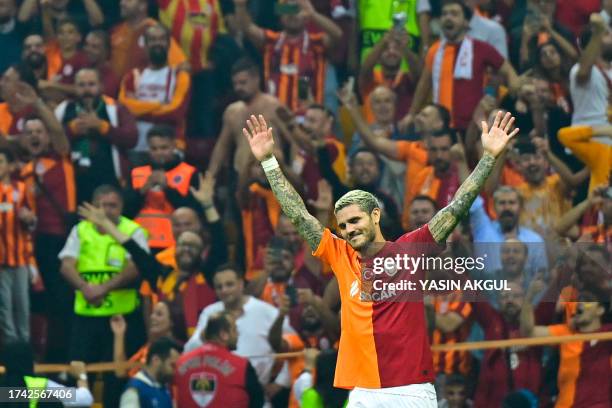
x=92, y=341
x=55, y=303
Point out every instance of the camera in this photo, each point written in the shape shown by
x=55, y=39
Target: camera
x=399, y=20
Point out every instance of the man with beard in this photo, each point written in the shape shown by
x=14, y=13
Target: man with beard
x=97, y=50
x=584, y=372
x=149, y=387
x=11, y=34
x=456, y=66
x=214, y=377
x=294, y=57
x=247, y=87
x=383, y=66
x=49, y=176
x=384, y=350
x=431, y=119
x=489, y=234
x=422, y=209
x=161, y=186
x=157, y=94
x=128, y=48
x=100, y=131
x=505, y=370
x=33, y=55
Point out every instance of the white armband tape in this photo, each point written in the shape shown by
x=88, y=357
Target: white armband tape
x=270, y=164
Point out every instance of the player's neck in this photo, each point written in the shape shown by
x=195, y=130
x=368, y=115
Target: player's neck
x=373, y=247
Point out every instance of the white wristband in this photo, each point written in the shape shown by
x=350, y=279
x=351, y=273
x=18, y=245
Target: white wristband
x=270, y=164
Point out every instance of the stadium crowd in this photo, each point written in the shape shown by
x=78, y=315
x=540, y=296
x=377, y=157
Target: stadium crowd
x=136, y=225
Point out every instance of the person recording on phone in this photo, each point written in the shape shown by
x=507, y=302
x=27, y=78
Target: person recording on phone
x=599, y=230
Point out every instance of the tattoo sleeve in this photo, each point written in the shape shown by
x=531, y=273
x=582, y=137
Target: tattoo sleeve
x=293, y=206
x=445, y=221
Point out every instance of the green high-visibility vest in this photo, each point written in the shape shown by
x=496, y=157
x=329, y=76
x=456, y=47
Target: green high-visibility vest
x=101, y=258
x=38, y=383
x=376, y=18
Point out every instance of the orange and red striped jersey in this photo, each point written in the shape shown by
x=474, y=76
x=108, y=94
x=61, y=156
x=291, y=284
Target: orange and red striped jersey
x=15, y=248
x=383, y=343
x=585, y=372
x=449, y=362
x=287, y=60
x=195, y=24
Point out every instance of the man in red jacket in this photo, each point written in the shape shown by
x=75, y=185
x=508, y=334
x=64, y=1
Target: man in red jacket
x=212, y=375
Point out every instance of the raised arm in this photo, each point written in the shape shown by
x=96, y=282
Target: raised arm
x=332, y=33
x=494, y=141
x=261, y=142
x=254, y=33
x=589, y=55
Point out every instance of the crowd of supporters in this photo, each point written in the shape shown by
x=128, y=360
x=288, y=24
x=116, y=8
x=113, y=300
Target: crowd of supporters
x=136, y=225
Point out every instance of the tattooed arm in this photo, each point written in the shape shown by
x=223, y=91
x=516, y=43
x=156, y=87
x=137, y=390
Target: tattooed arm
x=262, y=145
x=494, y=142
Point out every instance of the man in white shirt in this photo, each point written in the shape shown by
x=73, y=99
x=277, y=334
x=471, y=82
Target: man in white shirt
x=590, y=78
x=487, y=30
x=254, y=318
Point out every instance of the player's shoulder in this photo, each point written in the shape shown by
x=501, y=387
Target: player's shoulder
x=238, y=106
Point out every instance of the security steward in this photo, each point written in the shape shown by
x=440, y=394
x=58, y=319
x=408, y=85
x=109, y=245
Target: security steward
x=161, y=187
x=105, y=282
x=212, y=376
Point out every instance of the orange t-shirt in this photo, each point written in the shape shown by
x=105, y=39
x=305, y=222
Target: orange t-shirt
x=382, y=343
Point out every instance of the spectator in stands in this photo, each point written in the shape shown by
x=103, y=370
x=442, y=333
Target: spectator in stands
x=489, y=234
x=149, y=387
x=540, y=26
x=509, y=369
x=127, y=39
x=247, y=87
x=18, y=362
x=458, y=87
x=302, y=257
x=12, y=111
x=577, y=359
x=575, y=15
x=12, y=33
x=422, y=209
x=455, y=393
x=161, y=186
x=254, y=319
x=162, y=323
x=100, y=131
x=599, y=231
x=158, y=93
x=49, y=175
x=230, y=382
x=293, y=57
x=487, y=30
x=87, y=13
x=197, y=35
x=554, y=68
x=383, y=66
x=102, y=274
x=34, y=55
x=19, y=219
x=97, y=49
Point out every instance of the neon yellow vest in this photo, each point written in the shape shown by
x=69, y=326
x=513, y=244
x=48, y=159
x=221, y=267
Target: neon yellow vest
x=376, y=18
x=101, y=258
x=38, y=383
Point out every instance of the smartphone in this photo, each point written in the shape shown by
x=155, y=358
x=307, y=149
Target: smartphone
x=399, y=21
x=291, y=292
x=303, y=88
x=286, y=9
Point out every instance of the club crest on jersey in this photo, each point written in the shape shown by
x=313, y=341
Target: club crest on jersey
x=203, y=387
x=177, y=179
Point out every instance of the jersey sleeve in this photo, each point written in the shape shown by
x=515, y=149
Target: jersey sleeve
x=559, y=330
x=330, y=248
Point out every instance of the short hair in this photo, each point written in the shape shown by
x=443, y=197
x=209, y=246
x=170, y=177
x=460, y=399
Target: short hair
x=279, y=244
x=105, y=189
x=444, y=132
x=323, y=108
x=31, y=117
x=90, y=69
x=455, y=380
x=353, y=155
x=161, y=27
x=245, y=64
x=229, y=266
x=504, y=189
x=26, y=74
x=163, y=131
x=8, y=154
x=216, y=324
x=162, y=348
x=366, y=202
x=103, y=35
x=423, y=197
x=68, y=20
x=444, y=114
x=467, y=12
